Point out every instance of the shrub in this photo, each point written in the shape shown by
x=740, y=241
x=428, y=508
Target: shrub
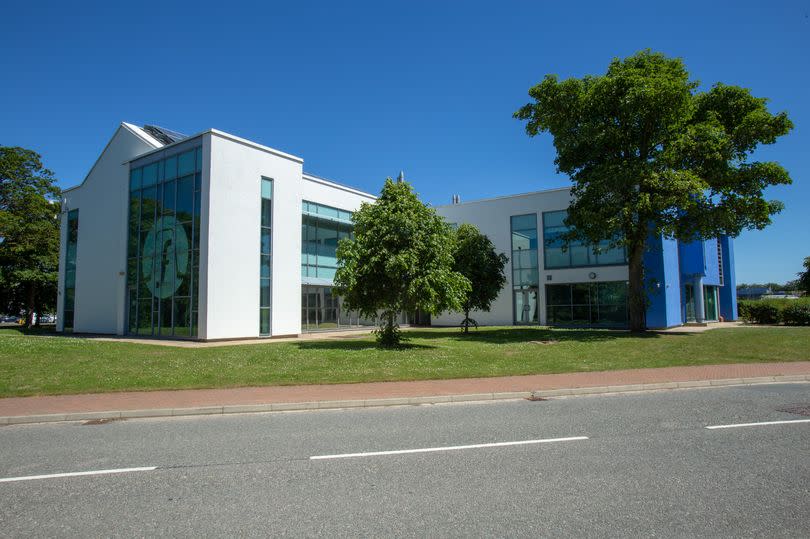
x=797, y=314
x=759, y=313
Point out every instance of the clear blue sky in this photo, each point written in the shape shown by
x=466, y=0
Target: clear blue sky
x=361, y=90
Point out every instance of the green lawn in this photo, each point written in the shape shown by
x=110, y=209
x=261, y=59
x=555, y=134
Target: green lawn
x=44, y=364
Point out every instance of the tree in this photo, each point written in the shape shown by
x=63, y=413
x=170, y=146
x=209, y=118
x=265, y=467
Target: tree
x=648, y=153
x=803, y=282
x=29, y=234
x=476, y=259
x=400, y=259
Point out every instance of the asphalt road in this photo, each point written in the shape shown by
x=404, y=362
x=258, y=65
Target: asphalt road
x=647, y=466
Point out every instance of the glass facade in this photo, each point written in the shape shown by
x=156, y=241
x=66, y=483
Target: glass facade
x=587, y=304
x=70, y=270
x=577, y=254
x=323, y=310
x=164, y=246
x=265, y=258
x=322, y=227
x=525, y=274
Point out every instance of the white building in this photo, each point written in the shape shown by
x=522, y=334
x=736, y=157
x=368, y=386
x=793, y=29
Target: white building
x=517, y=225
x=217, y=237
x=208, y=237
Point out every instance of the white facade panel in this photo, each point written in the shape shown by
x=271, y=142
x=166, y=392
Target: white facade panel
x=231, y=296
x=492, y=218
x=101, y=258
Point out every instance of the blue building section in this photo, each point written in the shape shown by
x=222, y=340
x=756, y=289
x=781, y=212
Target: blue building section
x=690, y=282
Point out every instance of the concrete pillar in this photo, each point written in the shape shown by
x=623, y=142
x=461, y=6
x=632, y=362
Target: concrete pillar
x=697, y=289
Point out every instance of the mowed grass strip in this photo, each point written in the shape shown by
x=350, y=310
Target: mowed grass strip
x=46, y=364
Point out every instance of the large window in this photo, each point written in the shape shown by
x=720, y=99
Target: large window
x=265, y=252
x=164, y=243
x=561, y=254
x=322, y=227
x=587, y=304
x=70, y=270
x=525, y=276
x=323, y=310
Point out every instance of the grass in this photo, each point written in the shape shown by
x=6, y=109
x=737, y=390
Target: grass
x=40, y=363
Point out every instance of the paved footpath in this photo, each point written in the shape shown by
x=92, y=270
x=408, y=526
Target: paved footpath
x=285, y=398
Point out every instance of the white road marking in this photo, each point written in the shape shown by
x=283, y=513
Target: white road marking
x=447, y=448
x=759, y=424
x=76, y=474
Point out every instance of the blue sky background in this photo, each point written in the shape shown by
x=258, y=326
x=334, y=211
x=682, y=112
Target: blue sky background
x=361, y=90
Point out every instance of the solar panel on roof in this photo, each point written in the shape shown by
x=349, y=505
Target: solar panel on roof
x=166, y=136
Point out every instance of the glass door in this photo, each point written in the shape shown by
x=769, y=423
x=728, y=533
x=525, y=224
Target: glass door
x=689, y=294
x=710, y=303
x=526, y=306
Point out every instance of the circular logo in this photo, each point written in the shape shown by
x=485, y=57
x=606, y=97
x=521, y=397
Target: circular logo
x=166, y=244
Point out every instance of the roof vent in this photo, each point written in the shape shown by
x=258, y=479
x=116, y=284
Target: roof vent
x=166, y=136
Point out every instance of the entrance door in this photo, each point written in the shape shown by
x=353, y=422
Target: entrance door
x=526, y=306
x=689, y=294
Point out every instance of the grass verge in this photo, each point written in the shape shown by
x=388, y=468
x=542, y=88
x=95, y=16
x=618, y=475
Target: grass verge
x=46, y=364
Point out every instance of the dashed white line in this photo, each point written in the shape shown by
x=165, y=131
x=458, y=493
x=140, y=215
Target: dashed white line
x=77, y=474
x=787, y=422
x=446, y=448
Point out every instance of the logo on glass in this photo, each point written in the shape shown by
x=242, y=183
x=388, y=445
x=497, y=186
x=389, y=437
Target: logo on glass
x=167, y=244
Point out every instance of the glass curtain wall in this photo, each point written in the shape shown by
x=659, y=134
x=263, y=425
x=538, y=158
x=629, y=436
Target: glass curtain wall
x=70, y=270
x=578, y=253
x=164, y=243
x=322, y=227
x=587, y=304
x=265, y=251
x=525, y=274
x=321, y=309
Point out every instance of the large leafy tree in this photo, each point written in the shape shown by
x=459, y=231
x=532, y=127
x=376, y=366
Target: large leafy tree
x=803, y=282
x=475, y=258
x=29, y=233
x=400, y=259
x=649, y=153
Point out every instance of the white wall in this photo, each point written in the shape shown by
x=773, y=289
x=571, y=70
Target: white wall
x=232, y=192
x=492, y=217
x=102, y=241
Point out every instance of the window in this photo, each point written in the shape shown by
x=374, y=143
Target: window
x=265, y=256
x=561, y=254
x=163, y=246
x=321, y=310
x=71, y=251
x=322, y=227
x=525, y=274
x=587, y=304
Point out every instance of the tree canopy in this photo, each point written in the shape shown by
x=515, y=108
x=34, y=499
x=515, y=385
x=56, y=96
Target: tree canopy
x=650, y=153
x=803, y=282
x=400, y=259
x=475, y=258
x=29, y=233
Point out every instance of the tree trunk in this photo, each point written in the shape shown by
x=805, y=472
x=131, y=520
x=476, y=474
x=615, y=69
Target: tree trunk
x=637, y=298
x=29, y=308
x=467, y=321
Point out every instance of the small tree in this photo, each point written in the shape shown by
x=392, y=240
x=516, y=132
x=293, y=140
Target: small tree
x=29, y=233
x=476, y=259
x=649, y=153
x=399, y=260
x=803, y=282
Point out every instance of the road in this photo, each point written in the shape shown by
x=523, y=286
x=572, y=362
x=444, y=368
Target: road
x=634, y=464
